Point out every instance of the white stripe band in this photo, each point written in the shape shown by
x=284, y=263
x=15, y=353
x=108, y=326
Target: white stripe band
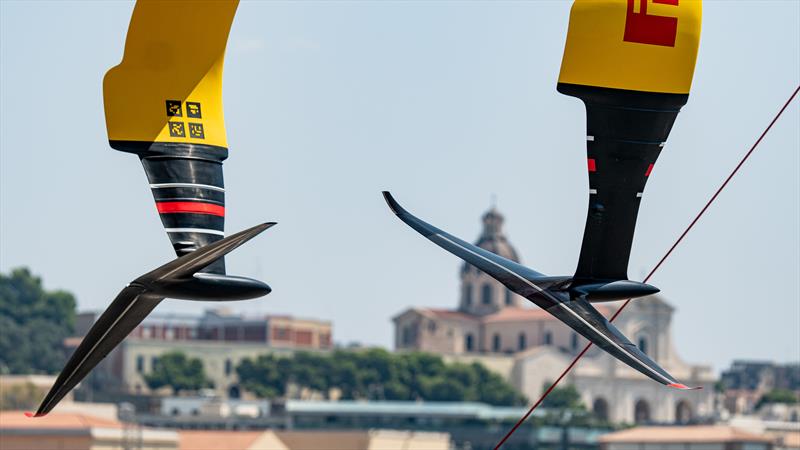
x=590, y=138
x=638, y=195
x=189, y=185
x=195, y=230
x=561, y=304
x=592, y=191
x=662, y=144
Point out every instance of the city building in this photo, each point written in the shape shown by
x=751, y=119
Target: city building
x=220, y=339
x=78, y=431
x=468, y=424
x=529, y=347
x=685, y=438
x=313, y=440
x=745, y=382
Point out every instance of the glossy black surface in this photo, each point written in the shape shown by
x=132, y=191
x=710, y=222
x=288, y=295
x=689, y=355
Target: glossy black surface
x=555, y=295
x=177, y=279
x=626, y=131
x=186, y=173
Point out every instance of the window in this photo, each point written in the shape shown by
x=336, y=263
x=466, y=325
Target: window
x=140, y=364
x=405, y=337
x=548, y=338
x=509, y=298
x=228, y=367
x=468, y=295
x=523, y=342
x=486, y=294
x=153, y=362
x=643, y=344
x=431, y=326
x=574, y=343
x=234, y=392
x=468, y=343
x=600, y=408
x=683, y=412
x=641, y=412
x=496, y=342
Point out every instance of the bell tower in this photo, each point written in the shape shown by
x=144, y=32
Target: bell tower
x=481, y=294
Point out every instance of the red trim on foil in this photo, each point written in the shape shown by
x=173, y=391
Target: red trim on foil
x=592, y=165
x=190, y=207
x=649, y=169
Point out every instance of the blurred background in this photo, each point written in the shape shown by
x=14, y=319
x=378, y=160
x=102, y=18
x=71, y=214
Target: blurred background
x=368, y=332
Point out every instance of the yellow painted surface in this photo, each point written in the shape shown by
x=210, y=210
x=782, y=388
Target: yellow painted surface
x=174, y=53
x=601, y=52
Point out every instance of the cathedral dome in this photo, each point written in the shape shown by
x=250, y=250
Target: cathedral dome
x=493, y=239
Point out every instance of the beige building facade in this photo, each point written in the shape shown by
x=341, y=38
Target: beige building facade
x=529, y=347
x=219, y=338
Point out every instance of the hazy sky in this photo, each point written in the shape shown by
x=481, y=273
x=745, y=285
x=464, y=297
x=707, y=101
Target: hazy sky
x=445, y=104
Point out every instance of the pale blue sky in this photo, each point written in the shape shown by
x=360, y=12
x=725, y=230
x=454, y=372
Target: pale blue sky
x=445, y=104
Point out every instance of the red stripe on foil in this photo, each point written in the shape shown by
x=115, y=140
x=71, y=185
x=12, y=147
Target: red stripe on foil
x=190, y=207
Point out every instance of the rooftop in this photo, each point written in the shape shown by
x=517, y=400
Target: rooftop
x=676, y=435
x=55, y=420
x=470, y=410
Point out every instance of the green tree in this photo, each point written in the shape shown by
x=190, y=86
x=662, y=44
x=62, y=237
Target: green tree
x=175, y=370
x=564, y=398
x=24, y=396
x=494, y=390
x=265, y=377
x=777, y=396
x=33, y=324
x=377, y=374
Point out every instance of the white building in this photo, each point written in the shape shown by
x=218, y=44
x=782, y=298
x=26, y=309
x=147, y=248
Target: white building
x=529, y=347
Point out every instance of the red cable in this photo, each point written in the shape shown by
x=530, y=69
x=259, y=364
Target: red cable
x=660, y=262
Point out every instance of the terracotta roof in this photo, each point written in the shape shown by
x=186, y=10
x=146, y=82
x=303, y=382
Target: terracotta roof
x=690, y=434
x=59, y=420
x=511, y=314
x=518, y=315
x=213, y=440
x=450, y=314
x=791, y=439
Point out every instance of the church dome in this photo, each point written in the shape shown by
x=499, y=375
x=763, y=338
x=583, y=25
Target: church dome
x=493, y=239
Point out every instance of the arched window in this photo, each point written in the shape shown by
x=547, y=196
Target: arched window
x=409, y=335
x=683, y=412
x=468, y=343
x=641, y=412
x=234, y=392
x=574, y=342
x=509, y=298
x=496, y=342
x=468, y=295
x=523, y=342
x=600, y=408
x=486, y=294
x=643, y=344
x=548, y=338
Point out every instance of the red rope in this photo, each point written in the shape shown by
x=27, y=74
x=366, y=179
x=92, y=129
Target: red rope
x=649, y=275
